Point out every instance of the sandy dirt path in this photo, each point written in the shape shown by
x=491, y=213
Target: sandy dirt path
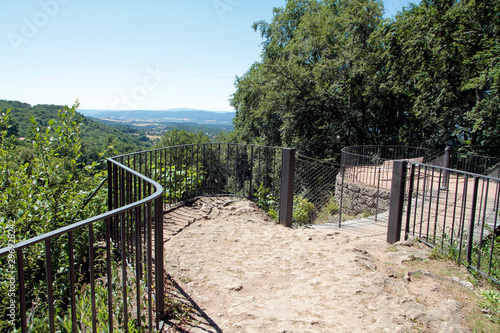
x=240, y=272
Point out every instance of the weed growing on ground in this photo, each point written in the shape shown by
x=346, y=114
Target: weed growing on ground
x=491, y=304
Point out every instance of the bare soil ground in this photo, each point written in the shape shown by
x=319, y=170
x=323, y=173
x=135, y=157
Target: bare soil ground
x=231, y=268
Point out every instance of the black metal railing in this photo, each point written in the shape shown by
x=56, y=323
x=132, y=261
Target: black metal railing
x=118, y=278
x=483, y=165
x=131, y=207
x=190, y=171
x=452, y=210
x=364, y=184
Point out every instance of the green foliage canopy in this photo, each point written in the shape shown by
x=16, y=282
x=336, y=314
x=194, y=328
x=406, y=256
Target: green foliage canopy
x=335, y=73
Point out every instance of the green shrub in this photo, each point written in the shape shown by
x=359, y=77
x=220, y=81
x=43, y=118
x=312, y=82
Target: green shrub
x=266, y=201
x=42, y=189
x=302, y=210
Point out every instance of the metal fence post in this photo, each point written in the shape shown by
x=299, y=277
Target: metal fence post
x=287, y=184
x=446, y=174
x=397, y=201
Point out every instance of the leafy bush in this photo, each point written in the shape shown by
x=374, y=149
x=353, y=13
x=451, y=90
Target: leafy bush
x=328, y=209
x=43, y=187
x=266, y=201
x=302, y=210
x=84, y=305
x=179, y=184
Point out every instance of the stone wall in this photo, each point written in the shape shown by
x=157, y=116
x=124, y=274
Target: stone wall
x=358, y=198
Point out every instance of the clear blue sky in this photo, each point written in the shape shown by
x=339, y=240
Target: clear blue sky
x=131, y=54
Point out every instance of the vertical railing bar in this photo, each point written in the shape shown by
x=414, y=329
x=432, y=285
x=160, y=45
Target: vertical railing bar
x=124, y=272
x=109, y=275
x=446, y=185
x=258, y=170
x=250, y=195
x=343, y=166
x=378, y=194
x=165, y=162
x=128, y=222
x=122, y=196
x=437, y=206
x=244, y=162
x=470, y=241
x=418, y=167
x=484, y=196
x=218, y=170
x=72, y=279
x=198, y=169
x=183, y=173
x=493, y=234
x=144, y=217
x=497, y=194
x=236, y=171
x=176, y=170
x=191, y=190
x=138, y=263
x=227, y=168
x=454, y=212
x=210, y=162
x=111, y=177
x=170, y=152
x=430, y=206
x=266, y=166
x=150, y=263
x=423, y=202
x=92, y=277
x=159, y=275
x=273, y=179
x=50, y=290
x=207, y=171
x=462, y=215
x=150, y=175
x=116, y=203
x=22, y=291
x=410, y=197
x=481, y=206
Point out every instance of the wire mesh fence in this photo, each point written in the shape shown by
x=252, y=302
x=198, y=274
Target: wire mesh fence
x=314, y=195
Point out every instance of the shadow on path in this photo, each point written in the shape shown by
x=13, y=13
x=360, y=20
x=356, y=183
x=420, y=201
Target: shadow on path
x=196, y=319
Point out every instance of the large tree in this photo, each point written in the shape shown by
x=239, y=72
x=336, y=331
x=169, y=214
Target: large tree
x=444, y=56
x=334, y=73
x=310, y=88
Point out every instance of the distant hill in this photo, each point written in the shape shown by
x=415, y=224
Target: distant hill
x=95, y=136
x=172, y=115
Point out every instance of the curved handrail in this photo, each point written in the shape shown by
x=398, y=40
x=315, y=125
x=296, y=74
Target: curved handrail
x=354, y=151
x=51, y=234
